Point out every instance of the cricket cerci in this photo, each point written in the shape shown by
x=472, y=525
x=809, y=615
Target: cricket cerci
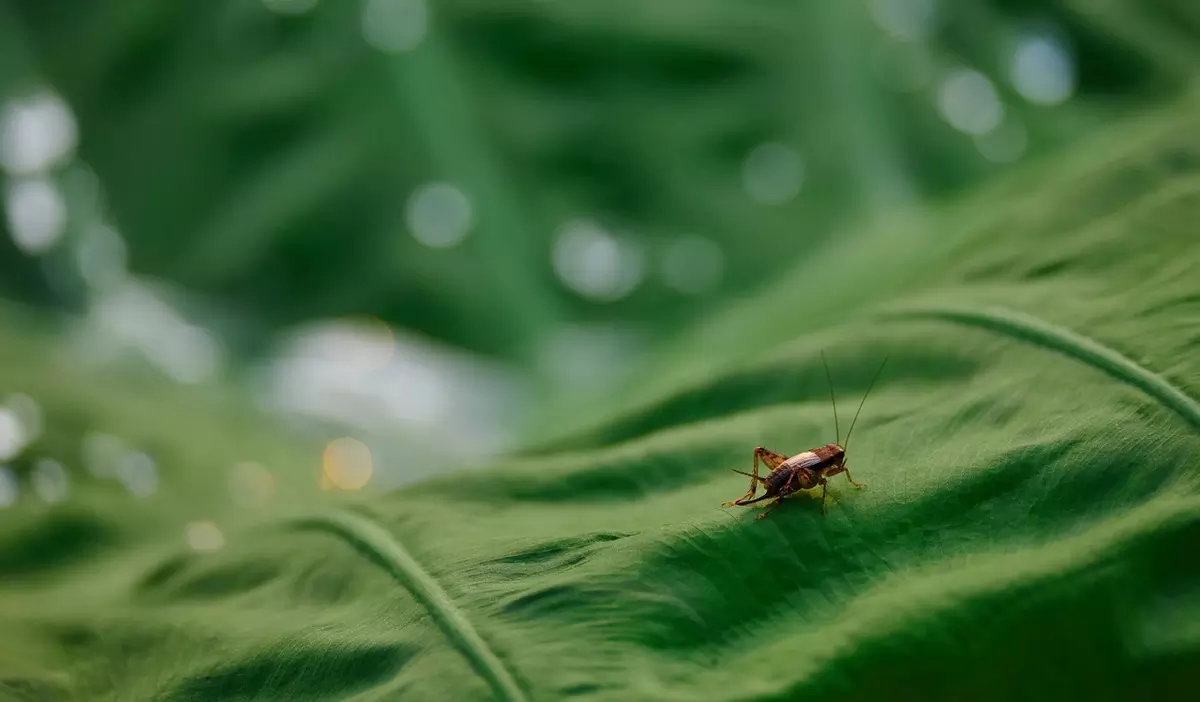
x=806, y=470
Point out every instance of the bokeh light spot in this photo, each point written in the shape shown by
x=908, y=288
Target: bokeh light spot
x=968, y=101
x=37, y=214
x=134, y=315
x=595, y=263
x=9, y=490
x=371, y=377
x=773, y=173
x=395, y=26
x=1043, y=70
x=50, y=481
x=693, y=265
x=438, y=215
x=347, y=463
x=28, y=413
x=204, y=536
x=138, y=472
x=36, y=133
x=361, y=344
x=12, y=434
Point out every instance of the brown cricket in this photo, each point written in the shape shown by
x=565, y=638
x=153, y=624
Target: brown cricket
x=806, y=470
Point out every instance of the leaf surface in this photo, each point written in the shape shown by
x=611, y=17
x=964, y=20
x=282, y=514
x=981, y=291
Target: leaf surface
x=1029, y=530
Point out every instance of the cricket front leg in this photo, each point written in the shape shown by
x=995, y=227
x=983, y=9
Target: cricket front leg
x=843, y=469
x=851, y=480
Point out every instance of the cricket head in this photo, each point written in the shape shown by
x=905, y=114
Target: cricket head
x=834, y=454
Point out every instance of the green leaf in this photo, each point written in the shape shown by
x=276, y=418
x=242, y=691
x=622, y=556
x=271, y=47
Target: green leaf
x=1029, y=530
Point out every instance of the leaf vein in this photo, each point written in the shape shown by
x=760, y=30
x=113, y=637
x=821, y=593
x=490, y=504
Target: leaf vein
x=1070, y=343
x=381, y=548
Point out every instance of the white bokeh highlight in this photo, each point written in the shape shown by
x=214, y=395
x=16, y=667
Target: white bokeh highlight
x=439, y=215
x=28, y=413
x=12, y=434
x=968, y=101
x=596, y=263
x=773, y=173
x=36, y=133
x=395, y=26
x=375, y=380
x=355, y=373
x=134, y=316
x=138, y=473
x=37, y=214
x=1043, y=69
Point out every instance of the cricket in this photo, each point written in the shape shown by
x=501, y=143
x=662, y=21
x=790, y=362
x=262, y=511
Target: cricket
x=806, y=470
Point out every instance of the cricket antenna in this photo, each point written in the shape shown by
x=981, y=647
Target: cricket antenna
x=864, y=400
x=829, y=378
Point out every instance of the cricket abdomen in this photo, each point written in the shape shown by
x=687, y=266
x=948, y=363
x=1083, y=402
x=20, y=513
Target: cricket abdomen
x=778, y=479
x=788, y=479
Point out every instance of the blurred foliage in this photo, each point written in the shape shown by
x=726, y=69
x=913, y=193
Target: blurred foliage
x=265, y=160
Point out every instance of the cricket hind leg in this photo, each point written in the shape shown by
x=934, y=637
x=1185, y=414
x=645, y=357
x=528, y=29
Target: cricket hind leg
x=749, y=496
x=771, y=459
x=788, y=489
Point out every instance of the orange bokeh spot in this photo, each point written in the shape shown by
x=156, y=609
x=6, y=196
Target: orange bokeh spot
x=346, y=464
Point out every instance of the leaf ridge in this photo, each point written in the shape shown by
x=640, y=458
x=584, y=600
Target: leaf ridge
x=1052, y=336
x=379, y=546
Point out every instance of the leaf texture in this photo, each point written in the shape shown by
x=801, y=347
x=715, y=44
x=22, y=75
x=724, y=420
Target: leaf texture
x=1029, y=530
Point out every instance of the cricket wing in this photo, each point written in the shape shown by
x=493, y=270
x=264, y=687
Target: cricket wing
x=808, y=459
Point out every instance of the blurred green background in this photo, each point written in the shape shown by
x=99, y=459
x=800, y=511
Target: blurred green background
x=450, y=227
